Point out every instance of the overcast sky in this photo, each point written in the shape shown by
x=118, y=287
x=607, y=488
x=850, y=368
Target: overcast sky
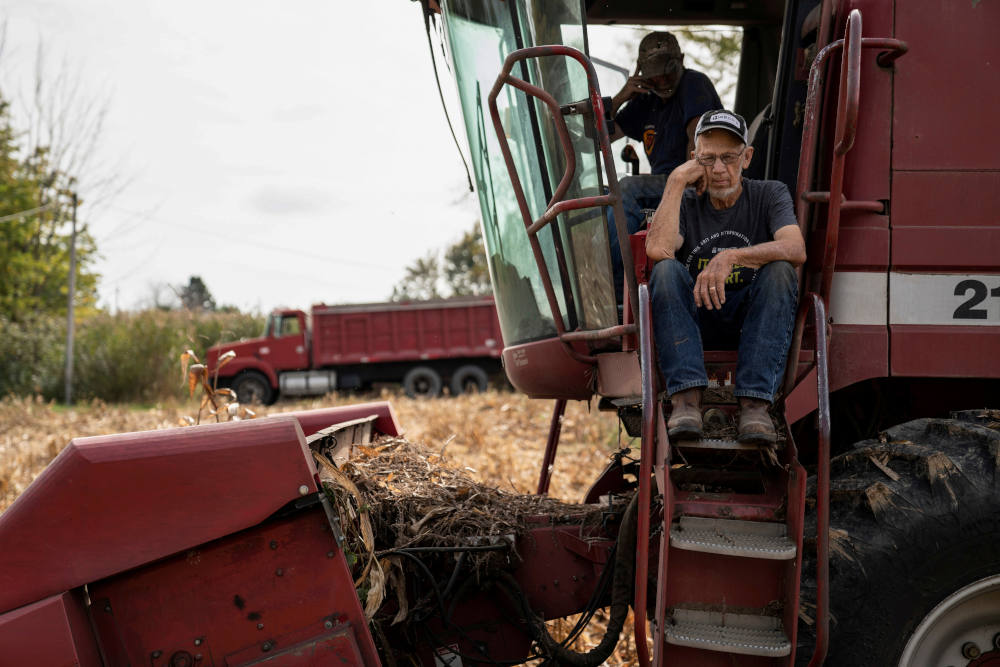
x=287, y=152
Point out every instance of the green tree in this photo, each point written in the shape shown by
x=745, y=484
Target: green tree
x=420, y=281
x=465, y=268
x=713, y=51
x=460, y=270
x=34, y=247
x=195, y=295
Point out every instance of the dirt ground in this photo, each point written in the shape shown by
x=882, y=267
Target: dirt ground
x=499, y=437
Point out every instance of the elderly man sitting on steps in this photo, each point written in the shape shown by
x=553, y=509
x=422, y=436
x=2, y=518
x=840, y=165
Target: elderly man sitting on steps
x=725, y=248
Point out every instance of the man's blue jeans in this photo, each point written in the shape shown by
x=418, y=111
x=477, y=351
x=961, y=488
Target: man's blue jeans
x=638, y=192
x=756, y=320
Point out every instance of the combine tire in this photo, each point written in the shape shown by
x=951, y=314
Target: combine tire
x=252, y=387
x=914, y=550
x=469, y=379
x=422, y=382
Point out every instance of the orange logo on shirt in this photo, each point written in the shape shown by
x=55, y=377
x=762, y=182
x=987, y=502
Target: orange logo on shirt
x=648, y=139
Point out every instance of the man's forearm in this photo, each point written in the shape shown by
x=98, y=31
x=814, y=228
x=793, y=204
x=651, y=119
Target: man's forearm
x=664, y=230
x=617, y=101
x=756, y=256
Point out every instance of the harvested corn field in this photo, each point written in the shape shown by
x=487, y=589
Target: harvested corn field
x=497, y=437
x=489, y=444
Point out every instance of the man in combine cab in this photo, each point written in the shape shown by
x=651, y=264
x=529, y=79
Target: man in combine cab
x=725, y=248
x=659, y=106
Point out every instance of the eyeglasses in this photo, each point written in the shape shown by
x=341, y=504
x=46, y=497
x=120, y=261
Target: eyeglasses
x=727, y=158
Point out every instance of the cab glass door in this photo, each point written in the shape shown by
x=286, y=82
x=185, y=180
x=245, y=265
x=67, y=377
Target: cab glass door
x=480, y=34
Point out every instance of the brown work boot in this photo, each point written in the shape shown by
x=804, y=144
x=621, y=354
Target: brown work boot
x=685, y=418
x=756, y=426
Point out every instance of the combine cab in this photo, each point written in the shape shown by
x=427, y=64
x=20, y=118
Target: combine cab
x=867, y=536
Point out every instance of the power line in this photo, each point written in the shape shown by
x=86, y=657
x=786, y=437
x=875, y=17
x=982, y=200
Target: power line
x=30, y=211
x=231, y=238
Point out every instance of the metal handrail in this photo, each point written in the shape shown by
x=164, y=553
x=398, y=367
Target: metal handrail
x=822, y=485
x=647, y=451
x=557, y=204
x=892, y=49
x=848, y=102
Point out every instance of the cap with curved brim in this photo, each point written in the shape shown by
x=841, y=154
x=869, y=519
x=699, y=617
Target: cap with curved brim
x=720, y=119
x=658, y=64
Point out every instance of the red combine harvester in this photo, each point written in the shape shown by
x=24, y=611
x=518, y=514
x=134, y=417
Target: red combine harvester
x=420, y=344
x=870, y=538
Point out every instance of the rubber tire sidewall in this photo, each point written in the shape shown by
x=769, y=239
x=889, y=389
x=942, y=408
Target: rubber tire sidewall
x=418, y=374
x=894, y=566
x=942, y=558
x=466, y=374
x=267, y=395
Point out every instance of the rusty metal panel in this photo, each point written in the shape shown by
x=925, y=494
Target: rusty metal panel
x=857, y=352
x=947, y=85
x=280, y=589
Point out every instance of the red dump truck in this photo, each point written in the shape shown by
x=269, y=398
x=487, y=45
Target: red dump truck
x=422, y=344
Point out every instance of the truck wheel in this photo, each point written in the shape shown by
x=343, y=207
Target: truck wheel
x=252, y=387
x=422, y=381
x=469, y=379
x=914, y=553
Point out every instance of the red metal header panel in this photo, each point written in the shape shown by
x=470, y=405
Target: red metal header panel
x=109, y=503
x=53, y=631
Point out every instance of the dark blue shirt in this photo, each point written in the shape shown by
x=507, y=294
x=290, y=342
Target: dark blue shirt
x=763, y=208
x=661, y=125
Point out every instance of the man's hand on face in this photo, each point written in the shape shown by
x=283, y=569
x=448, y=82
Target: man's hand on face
x=690, y=173
x=710, y=287
x=636, y=85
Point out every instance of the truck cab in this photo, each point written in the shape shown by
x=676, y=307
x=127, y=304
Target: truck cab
x=254, y=373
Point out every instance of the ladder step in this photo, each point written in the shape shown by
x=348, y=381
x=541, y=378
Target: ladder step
x=745, y=634
x=715, y=443
x=729, y=537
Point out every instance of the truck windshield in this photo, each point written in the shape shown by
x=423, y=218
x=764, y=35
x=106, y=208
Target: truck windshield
x=481, y=33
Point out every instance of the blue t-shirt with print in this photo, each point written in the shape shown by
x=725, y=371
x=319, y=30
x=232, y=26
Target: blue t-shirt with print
x=661, y=125
x=762, y=209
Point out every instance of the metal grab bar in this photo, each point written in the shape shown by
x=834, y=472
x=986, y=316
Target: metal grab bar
x=822, y=485
x=847, y=126
x=817, y=197
x=850, y=95
x=557, y=204
x=893, y=49
x=647, y=451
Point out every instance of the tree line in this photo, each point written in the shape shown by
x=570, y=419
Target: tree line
x=47, y=168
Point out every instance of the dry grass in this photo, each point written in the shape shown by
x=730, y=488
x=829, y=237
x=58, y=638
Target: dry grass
x=500, y=436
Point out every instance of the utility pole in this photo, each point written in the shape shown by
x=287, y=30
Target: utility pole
x=69, y=308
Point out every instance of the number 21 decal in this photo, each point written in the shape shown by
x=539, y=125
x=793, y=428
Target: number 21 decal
x=968, y=309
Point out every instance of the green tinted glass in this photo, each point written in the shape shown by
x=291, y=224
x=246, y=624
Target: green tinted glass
x=481, y=33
